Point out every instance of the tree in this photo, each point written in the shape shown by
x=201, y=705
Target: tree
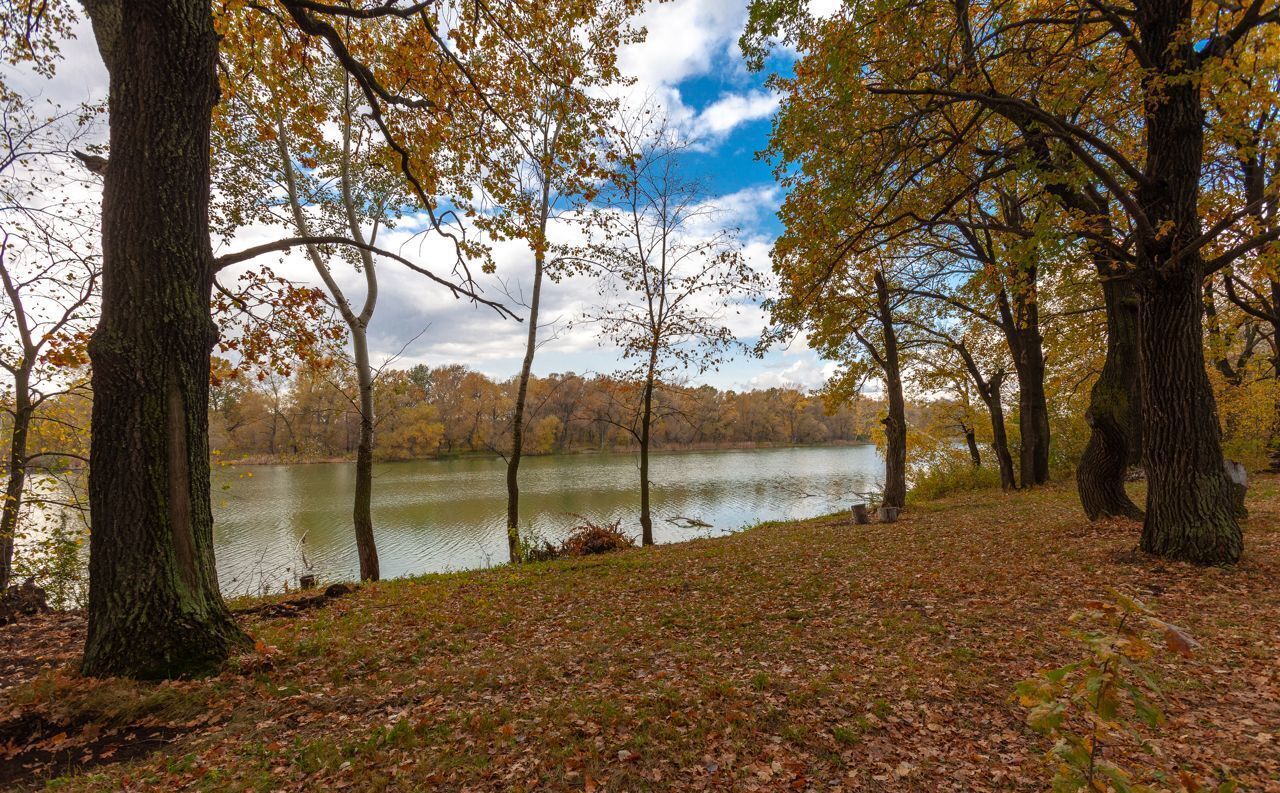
x=543, y=166
x=49, y=272
x=666, y=274
x=855, y=320
x=154, y=605
x=1102, y=102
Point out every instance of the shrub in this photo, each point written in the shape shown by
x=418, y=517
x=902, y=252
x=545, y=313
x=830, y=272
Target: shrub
x=585, y=539
x=1097, y=706
x=949, y=474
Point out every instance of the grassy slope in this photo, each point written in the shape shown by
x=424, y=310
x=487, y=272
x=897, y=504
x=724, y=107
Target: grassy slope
x=811, y=655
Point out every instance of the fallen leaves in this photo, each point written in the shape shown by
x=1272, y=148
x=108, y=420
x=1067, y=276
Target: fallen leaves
x=791, y=657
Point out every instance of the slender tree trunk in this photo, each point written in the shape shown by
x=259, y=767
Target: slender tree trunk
x=990, y=390
x=1033, y=413
x=1190, y=504
x=17, y=470
x=154, y=606
x=1114, y=414
x=1000, y=442
x=895, y=422
x=1026, y=346
x=975, y=456
x=517, y=416
x=362, y=508
x=646, y=421
x=357, y=324
x=1274, y=451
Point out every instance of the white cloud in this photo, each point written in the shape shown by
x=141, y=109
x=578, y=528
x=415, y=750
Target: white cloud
x=806, y=372
x=729, y=111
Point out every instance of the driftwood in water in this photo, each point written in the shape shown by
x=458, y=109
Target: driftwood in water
x=689, y=523
x=860, y=514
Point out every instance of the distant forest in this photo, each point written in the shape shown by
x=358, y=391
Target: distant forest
x=425, y=412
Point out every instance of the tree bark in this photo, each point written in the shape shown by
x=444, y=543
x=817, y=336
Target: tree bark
x=1026, y=345
x=362, y=507
x=646, y=422
x=1190, y=514
x=1190, y=507
x=517, y=415
x=1000, y=443
x=154, y=606
x=975, y=456
x=895, y=422
x=1114, y=413
x=17, y=469
x=989, y=390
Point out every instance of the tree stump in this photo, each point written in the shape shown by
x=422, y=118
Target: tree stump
x=859, y=512
x=307, y=581
x=887, y=514
x=22, y=601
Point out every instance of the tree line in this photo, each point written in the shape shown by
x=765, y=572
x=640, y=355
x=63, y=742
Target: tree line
x=449, y=410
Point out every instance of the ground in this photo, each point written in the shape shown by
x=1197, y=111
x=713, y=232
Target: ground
x=809, y=656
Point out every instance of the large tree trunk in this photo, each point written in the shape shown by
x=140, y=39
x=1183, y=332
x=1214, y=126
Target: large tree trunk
x=17, y=470
x=895, y=422
x=154, y=606
x=1114, y=413
x=517, y=417
x=1190, y=508
x=646, y=421
x=1190, y=513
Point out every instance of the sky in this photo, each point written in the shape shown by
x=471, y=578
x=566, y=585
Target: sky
x=691, y=65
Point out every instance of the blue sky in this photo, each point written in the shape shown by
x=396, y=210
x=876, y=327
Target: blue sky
x=690, y=64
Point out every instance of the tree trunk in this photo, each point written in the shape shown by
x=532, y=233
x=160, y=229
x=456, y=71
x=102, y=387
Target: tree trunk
x=974, y=455
x=990, y=390
x=1190, y=512
x=1026, y=347
x=646, y=420
x=154, y=606
x=517, y=417
x=1000, y=445
x=1114, y=414
x=17, y=469
x=361, y=509
x=895, y=423
x=1274, y=451
x=357, y=324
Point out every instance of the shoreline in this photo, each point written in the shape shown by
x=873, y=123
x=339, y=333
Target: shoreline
x=754, y=446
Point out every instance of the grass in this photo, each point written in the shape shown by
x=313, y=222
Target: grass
x=810, y=655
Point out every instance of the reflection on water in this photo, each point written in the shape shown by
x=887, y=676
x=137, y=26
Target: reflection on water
x=439, y=515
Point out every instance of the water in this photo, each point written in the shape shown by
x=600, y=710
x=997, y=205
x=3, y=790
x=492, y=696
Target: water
x=441, y=515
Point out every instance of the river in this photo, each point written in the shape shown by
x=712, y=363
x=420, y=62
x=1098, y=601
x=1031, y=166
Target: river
x=442, y=515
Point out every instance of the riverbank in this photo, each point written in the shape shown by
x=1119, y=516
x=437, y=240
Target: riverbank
x=807, y=655
x=491, y=455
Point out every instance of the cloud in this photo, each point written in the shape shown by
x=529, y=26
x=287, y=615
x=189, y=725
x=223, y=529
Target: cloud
x=807, y=372
x=685, y=36
x=731, y=110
